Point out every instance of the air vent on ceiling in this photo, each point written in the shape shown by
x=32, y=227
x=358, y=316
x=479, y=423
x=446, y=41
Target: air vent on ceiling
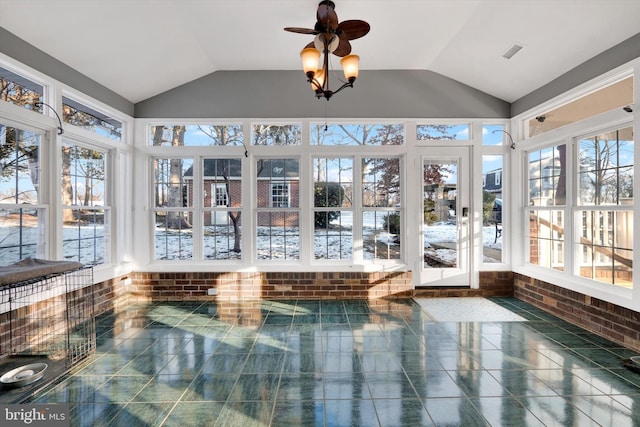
x=512, y=51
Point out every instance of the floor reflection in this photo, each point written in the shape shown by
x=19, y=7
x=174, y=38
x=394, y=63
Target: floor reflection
x=344, y=363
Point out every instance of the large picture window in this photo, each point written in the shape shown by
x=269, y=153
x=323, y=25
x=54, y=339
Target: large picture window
x=222, y=208
x=332, y=208
x=381, y=214
x=599, y=212
x=278, y=213
x=173, y=208
x=605, y=211
x=85, y=209
x=547, y=192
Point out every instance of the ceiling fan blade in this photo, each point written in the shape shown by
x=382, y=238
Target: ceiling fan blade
x=300, y=30
x=354, y=28
x=343, y=49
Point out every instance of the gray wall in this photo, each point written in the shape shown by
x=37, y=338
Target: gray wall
x=26, y=53
x=273, y=94
x=618, y=55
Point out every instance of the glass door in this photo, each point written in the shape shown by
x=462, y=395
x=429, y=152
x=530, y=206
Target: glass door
x=445, y=237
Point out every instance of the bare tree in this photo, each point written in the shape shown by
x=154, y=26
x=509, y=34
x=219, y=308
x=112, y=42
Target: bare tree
x=227, y=135
x=175, y=192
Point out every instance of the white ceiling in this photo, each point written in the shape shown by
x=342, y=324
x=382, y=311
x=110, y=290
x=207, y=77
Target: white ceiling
x=140, y=48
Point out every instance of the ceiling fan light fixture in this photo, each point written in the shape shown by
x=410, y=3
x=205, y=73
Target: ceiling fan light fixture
x=330, y=37
x=318, y=81
x=310, y=57
x=350, y=67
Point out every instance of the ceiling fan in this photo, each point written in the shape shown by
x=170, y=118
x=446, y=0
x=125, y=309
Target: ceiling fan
x=328, y=26
x=333, y=37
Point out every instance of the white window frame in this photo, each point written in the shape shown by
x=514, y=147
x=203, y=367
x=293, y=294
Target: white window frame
x=119, y=167
x=616, y=118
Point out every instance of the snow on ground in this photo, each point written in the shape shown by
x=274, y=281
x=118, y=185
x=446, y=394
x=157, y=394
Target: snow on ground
x=272, y=243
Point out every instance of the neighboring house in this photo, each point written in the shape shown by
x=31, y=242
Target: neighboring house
x=492, y=182
x=222, y=188
x=277, y=189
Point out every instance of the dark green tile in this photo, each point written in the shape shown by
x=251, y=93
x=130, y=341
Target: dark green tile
x=303, y=386
x=572, y=340
x=93, y=414
x=107, y=364
x=566, y=383
x=522, y=383
x=402, y=412
x=186, y=414
x=434, y=384
x=344, y=385
x=334, y=319
x=302, y=362
x=263, y=363
x=120, y=388
x=505, y=411
x=255, y=387
x=141, y=414
x=146, y=364
x=350, y=413
x=210, y=387
x=163, y=388
x=219, y=363
x=478, y=383
x=556, y=411
x=245, y=414
x=387, y=385
x=455, y=411
x=308, y=413
x=606, y=410
x=598, y=357
x=75, y=389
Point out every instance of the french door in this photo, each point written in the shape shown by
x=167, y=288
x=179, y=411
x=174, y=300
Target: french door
x=445, y=190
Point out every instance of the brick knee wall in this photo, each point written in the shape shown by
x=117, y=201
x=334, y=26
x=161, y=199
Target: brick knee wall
x=236, y=286
x=611, y=321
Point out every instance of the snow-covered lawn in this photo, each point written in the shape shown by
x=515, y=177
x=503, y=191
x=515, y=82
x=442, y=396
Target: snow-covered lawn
x=218, y=243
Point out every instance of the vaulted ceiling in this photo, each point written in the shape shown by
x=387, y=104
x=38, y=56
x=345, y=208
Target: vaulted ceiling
x=140, y=48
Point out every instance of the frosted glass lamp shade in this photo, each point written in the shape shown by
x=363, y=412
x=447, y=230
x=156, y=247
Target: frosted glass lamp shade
x=350, y=66
x=310, y=58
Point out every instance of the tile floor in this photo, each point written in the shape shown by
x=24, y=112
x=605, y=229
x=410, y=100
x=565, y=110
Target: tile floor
x=345, y=363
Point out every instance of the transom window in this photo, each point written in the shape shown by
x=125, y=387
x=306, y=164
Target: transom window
x=276, y=134
x=168, y=135
x=443, y=132
x=357, y=134
x=20, y=91
x=78, y=114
